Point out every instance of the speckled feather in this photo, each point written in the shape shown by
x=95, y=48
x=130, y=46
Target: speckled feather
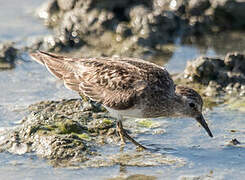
x=119, y=84
x=190, y=94
x=126, y=87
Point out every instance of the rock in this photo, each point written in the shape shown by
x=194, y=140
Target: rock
x=206, y=16
x=46, y=43
x=170, y=5
x=66, y=5
x=59, y=132
x=217, y=76
x=49, y=12
x=7, y=55
x=124, y=30
x=114, y=27
x=152, y=28
x=235, y=62
x=76, y=25
x=204, y=70
x=67, y=134
x=131, y=25
x=198, y=7
x=229, y=13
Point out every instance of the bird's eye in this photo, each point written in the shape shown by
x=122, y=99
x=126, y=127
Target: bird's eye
x=192, y=105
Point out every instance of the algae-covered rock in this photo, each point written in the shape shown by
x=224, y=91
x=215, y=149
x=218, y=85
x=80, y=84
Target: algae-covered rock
x=61, y=131
x=7, y=55
x=72, y=133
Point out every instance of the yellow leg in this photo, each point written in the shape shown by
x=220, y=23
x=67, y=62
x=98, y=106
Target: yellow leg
x=123, y=134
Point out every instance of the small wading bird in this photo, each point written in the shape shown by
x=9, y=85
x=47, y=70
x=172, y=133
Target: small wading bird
x=126, y=87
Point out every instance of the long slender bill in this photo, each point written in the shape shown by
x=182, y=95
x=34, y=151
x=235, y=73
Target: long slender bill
x=202, y=121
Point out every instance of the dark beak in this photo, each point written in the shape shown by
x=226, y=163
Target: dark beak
x=202, y=121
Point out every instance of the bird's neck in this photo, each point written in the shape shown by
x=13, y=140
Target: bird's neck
x=177, y=106
x=170, y=107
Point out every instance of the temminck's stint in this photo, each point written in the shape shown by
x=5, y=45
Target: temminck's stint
x=126, y=87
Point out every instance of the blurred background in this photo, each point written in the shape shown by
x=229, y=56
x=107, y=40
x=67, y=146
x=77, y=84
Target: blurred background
x=166, y=32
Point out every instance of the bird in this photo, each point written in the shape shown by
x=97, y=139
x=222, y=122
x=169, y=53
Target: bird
x=126, y=87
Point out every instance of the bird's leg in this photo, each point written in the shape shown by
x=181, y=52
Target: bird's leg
x=84, y=98
x=123, y=134
x=120, y=131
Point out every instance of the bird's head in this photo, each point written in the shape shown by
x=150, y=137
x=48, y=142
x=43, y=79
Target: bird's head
x=192, y=105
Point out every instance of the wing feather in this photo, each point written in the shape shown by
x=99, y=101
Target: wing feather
x=116, y=83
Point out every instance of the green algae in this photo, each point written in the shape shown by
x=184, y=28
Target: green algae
x=236, y=104
x=83, y=136
x=59, y=131
x=69, y=126
x=148, y=123
x=107, y=121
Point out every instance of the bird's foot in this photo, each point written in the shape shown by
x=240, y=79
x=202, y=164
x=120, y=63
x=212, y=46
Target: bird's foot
x=123, y=134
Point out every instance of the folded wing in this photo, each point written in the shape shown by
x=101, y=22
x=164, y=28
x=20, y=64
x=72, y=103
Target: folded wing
x=114, y=83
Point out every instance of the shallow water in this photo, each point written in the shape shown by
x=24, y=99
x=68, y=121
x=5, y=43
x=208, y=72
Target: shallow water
x=29, y=83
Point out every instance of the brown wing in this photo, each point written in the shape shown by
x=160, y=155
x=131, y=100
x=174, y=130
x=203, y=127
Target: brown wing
x=114, y=83
x=60, y=66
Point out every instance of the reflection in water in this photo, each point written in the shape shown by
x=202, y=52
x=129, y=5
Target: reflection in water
x=122, y=167
x=122, y=170
x=221, y=43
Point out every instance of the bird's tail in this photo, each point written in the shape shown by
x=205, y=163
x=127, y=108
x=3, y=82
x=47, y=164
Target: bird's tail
x=41, y=56
x=54, y=63
x=60, y=66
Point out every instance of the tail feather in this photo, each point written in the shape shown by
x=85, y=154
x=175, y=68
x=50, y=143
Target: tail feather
x=57, y=65
x=37, y=57
x=55, y=72
x=61, y=67
x=41, y=56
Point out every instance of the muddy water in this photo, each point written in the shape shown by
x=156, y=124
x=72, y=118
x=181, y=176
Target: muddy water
x=183, y=138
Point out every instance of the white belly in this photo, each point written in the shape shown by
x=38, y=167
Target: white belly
x=136, y=113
